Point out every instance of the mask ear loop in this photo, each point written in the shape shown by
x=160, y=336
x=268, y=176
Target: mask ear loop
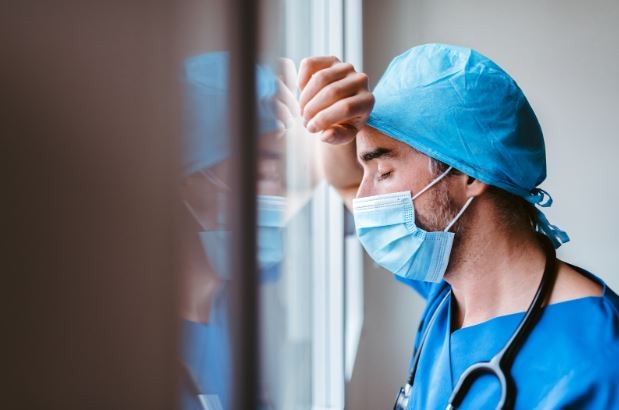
x=215, y=180
x=194, y=214
x=434, y=182
x=459, y=214
x=221, y=196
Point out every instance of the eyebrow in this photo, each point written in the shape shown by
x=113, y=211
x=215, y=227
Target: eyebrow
x=269, y=154
x=376, y=153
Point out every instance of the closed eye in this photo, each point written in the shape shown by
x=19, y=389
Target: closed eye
x=384, y=175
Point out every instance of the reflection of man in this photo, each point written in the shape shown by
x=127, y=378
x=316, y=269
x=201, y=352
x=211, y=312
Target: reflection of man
x=205, y=192
x=441, y=168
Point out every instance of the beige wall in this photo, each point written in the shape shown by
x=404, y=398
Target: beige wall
x=89, y=136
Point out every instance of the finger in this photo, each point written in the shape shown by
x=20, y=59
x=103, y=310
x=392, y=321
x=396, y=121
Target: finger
x=283, y=114
x=285, y=95
x=338, y=135
x=339, y=90
x=352, y=110
x=279, y=126
x=322, y=79
x=311, y=65
x=287, y=72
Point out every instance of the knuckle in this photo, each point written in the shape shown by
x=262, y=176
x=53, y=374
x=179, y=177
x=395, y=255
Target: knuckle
x=305, y=62
x=361, y=106
x=310, y=64
x=348, y=109
x=361, y=78
x=367, y=98
x=320, y=77
x=333, y=92
x=318, y=122
x=371, y=99
x=348, y=67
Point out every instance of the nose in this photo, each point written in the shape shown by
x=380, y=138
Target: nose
x=365, y=188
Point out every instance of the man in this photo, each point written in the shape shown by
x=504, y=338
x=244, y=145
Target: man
x=441, y=167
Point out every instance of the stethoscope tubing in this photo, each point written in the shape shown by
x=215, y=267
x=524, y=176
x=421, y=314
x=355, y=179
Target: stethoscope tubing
x=499, y=366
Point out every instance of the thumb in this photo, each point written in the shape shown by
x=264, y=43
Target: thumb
x=339, y=134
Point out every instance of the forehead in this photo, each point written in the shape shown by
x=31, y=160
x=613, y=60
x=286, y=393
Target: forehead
x=371, y=140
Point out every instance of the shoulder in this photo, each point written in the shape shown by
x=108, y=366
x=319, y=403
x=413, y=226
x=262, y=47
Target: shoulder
x=571, y=332
x=592, y=384
x=584, y=310
x=574, y=283
x=573, y=352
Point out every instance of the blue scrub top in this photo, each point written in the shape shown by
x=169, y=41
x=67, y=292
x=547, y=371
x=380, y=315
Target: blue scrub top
x=205, y=350
x=569, y=360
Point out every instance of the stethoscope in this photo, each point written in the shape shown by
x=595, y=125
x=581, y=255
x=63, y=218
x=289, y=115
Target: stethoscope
x=205, y=402
x=499, y=366
x=208, y=401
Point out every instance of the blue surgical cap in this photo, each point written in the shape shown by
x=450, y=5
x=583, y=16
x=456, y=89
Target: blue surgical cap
x=457, y=106
x=207, y=139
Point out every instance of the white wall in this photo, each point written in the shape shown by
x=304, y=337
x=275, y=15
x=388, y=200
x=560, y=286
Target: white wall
x=564, y=55
x=392, y=313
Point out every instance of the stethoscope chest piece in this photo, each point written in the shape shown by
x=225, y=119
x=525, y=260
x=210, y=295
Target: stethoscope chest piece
x=401, y=402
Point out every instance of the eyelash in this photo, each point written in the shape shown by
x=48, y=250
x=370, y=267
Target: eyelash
x=384, y=175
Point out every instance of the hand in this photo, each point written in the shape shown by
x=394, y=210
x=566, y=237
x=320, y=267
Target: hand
x=286, y=104
x=272, y=145
x=335, y=99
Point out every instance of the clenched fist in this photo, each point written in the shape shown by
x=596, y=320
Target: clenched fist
x=335, y=99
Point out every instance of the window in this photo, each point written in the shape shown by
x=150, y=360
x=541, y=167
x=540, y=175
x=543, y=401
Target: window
x=308, y=262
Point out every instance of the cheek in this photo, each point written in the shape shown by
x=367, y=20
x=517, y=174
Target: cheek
x=434, y=209
x=406, y=178
x=400, y=181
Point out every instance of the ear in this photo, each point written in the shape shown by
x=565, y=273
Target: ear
x=474, y=187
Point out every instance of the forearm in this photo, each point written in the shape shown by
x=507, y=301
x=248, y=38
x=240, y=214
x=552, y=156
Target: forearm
x=335, y=103
x=339, y=165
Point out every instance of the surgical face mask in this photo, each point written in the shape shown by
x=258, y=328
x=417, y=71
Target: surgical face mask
x=217, y=245
x=271, y=211
x=386, y=228
x=215, y=241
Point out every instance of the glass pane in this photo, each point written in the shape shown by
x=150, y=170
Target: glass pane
x=286, y=179
x=205, y=349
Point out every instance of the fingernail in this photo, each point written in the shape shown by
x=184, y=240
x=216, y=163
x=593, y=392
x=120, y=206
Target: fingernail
x=311, y=127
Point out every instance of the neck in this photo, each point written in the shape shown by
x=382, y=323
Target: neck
x=198, y=282
x=493, y=273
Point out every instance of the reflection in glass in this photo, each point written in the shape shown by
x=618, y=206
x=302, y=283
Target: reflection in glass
x=286, y=177
x=205, y=341
x=206, y=195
